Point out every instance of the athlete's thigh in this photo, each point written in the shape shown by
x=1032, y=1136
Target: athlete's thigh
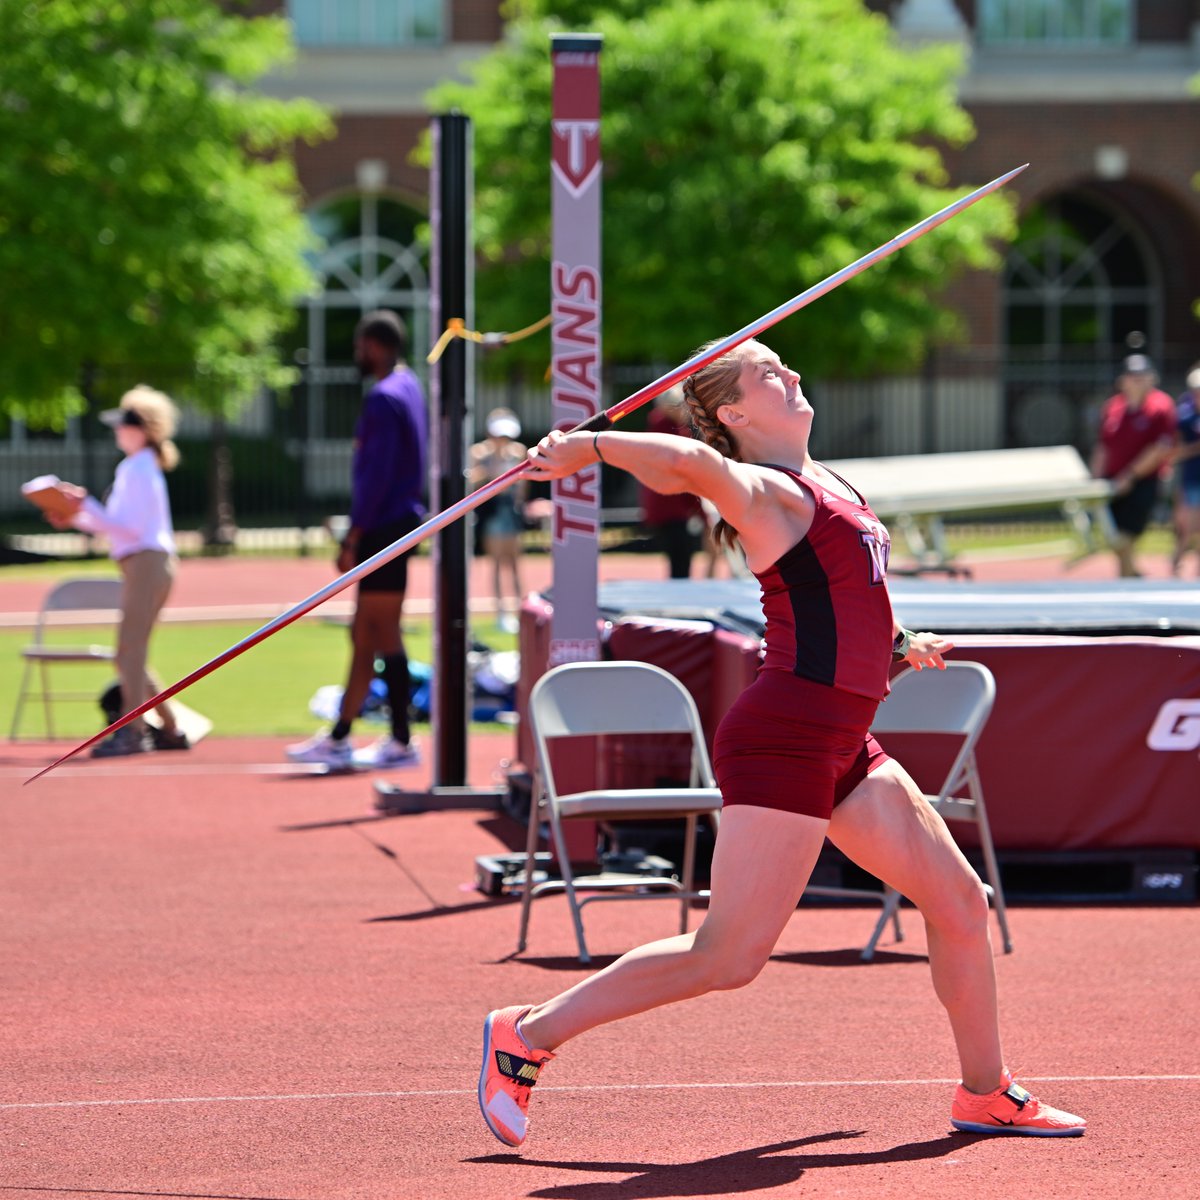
x=888, y=829
x=761, y=865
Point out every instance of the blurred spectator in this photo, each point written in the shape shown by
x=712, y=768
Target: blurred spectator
x=387, y=486
x=675, y=522
x=715, y=556
x=1187, y=483
x=136, y=519
x=500, y=520
x=1137, y=434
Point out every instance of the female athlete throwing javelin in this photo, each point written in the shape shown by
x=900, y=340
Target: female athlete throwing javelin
x=794, y=757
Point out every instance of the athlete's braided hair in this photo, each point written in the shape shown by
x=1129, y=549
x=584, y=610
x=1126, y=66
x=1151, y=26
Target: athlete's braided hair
x=704, y=392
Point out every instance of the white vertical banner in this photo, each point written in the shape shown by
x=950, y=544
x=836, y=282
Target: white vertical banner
x=575, y=299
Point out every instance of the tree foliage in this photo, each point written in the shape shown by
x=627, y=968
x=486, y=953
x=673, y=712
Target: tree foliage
x=148, y=202
x=751, y=148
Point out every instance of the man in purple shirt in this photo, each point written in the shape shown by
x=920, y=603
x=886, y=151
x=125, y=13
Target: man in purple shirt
x=390, y=443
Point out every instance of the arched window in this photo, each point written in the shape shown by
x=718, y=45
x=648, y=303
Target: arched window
x=1079, y=279
x=371, y=259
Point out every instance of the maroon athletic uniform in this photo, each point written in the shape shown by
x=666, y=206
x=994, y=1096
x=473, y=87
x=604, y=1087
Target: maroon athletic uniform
x=798, y=738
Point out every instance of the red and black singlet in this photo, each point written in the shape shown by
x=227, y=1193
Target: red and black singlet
x=828, y=615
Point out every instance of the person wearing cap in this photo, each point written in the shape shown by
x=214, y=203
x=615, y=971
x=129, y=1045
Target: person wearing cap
x=1187, y=467
x=1134, y=448
x=136, y=520
x=499, y=521
x=386, y=502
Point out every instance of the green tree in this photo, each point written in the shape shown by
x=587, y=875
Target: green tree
x=148, y=202
x=751, y=148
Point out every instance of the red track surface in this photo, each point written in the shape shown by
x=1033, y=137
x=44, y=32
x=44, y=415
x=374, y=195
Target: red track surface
x=220, y=982
x=228, y=984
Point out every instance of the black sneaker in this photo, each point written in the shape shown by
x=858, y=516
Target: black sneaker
x=170, y=739
x=129, y=740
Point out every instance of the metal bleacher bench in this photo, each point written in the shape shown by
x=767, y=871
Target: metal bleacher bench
x=913, y=493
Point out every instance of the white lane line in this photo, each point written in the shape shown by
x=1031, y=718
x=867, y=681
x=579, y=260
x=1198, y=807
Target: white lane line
x=585, y=1087
x=132, y=770
x=226, y=613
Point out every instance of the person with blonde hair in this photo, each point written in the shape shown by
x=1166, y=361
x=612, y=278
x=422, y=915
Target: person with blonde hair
x=794, y=756
x=136, y=519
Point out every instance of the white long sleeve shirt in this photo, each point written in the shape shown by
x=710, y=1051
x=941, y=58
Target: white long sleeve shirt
x=138, y=513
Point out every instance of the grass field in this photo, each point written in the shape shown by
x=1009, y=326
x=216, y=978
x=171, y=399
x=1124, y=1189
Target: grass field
x=263, y=692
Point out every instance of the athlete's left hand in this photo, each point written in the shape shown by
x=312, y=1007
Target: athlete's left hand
x=925, y=650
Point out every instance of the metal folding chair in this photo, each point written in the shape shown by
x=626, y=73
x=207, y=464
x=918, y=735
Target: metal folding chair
x=71, y=595
x=594, y=699
x=956, y=701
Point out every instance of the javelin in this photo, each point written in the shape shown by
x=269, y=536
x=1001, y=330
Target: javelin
x=603, y=420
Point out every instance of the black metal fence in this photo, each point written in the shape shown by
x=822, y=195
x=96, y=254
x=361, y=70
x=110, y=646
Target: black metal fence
x=285, y=460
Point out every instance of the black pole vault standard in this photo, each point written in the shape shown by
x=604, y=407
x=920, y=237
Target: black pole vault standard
x=603, y=420
x=452, y=400
x=452, y=251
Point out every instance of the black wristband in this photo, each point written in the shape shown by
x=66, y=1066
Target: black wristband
x=596, y=445
x=900, y=645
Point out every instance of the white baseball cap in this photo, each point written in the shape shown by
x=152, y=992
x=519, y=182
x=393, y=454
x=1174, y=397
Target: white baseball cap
x=503, y=425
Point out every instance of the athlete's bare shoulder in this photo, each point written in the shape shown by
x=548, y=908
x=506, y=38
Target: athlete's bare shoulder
x=781, y=515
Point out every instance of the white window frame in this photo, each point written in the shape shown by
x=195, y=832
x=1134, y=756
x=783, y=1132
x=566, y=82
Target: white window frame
x=375, y=272
x=1074, y=275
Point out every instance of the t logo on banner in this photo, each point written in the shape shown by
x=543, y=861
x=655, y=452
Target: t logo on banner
x=581, y=142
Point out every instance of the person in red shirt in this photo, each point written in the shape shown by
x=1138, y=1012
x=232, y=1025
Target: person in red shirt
x=1137, y=436
x=794, y=756
x=676, y=520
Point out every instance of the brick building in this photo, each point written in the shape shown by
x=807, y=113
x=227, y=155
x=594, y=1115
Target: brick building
x=1094, y=94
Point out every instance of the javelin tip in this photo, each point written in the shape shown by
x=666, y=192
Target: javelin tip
x=44, y=770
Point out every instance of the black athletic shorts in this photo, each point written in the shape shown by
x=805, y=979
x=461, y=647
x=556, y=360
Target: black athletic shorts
x=392, y=576
x=1131, y=512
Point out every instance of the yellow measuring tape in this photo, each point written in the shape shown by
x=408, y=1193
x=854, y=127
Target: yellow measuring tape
x=456, y=327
